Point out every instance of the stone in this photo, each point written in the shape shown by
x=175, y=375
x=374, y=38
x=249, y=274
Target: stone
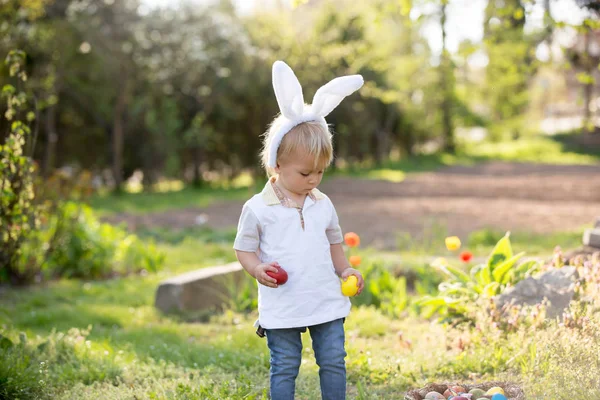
x=204, y=289
x=591, y=237
x=557, y=285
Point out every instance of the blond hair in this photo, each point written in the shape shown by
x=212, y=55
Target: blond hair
x=310, y=137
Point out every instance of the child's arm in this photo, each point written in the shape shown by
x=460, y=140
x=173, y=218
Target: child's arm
x=342, y=267
x=256, y=269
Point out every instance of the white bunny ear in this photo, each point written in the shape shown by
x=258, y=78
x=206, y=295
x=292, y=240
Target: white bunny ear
x=329, y=96
x=287, y=91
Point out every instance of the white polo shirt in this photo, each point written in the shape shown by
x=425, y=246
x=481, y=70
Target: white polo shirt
x=299, y=240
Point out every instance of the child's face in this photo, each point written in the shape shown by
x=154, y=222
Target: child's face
x=298, y=174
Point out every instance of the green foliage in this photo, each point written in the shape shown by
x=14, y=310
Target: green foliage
x=80, y=246
x=22, y=373
x=458, y=295
x=383, y=290
x=18, y=211
x=73, y=243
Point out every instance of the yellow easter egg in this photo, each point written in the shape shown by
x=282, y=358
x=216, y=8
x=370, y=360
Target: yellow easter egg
x=350, y=286
x=494, y=390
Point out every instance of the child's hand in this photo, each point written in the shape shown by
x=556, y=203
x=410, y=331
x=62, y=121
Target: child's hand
x=351, y=271
x=260, y=273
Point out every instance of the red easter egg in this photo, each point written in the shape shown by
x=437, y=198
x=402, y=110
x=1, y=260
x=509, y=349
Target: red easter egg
x=280, y=275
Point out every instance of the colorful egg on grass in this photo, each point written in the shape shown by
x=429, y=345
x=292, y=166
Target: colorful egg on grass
x=499, y=396
x=434, y=396
x=494, y=390
x=477, y=393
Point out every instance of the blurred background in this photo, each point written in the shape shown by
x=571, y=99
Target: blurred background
x=152, y=90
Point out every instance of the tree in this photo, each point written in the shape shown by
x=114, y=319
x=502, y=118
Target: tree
x=512, y=63
x=586, y=60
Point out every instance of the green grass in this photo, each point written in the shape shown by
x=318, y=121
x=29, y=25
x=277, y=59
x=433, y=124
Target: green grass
x=144, y=202
x=534, y=149
x=131, y=350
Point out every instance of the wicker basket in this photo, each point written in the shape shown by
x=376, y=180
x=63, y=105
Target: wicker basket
x=511, y=390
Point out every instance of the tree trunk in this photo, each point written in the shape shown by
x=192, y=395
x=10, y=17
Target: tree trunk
x=118, y=133
x=51, y=139
x=587, y=87
x=382, y=136
x=447, y=90
x=197, y=183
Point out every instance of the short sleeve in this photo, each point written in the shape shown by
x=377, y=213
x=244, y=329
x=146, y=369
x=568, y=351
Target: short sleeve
x=334, y=232
x=248, y=232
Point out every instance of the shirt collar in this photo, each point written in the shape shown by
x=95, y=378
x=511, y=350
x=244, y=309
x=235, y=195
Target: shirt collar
x=272, y=196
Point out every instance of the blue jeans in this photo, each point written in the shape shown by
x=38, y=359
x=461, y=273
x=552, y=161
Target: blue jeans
x=286, y=354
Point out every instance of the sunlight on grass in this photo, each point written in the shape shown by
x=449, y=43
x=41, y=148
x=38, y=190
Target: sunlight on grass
x=536, y=149
x=387, y=175
x=533, y=149
x=144, y=202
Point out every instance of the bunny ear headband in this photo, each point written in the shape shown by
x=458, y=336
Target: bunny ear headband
x=291, y=101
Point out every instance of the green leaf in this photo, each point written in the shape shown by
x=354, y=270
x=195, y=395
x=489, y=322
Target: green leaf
x=491, y=289
x=585, y=79
x=8, y=90
x=502, y=251
x=431, y=301
x=457, y=273
x=501, y=270
x=477, y=274
x=522, y=269
x=5, y=343
x=486, y=275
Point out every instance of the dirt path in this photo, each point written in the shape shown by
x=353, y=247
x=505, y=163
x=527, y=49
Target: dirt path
x=505, y=196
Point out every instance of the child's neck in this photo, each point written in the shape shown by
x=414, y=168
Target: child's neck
x=296, y=198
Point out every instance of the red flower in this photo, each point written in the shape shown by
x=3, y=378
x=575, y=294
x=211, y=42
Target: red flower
x=352, y=239
x=466, y=256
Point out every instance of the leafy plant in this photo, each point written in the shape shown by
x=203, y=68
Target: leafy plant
x=461, y=290
x=383, y=290
x=73, y=243
x=21, y=374
x=18, y=212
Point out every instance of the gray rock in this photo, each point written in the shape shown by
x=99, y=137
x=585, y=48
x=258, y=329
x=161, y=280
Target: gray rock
x=203, y=289
x=591, y=237
x=557, y=285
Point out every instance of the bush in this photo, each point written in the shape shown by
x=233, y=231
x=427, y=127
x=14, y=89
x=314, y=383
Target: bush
x=18, y=212
x=74, y=244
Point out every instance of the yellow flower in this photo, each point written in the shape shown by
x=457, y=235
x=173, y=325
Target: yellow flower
x=452, y=243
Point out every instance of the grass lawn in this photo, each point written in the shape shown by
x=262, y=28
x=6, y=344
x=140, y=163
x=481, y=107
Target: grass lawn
x=105, y=339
